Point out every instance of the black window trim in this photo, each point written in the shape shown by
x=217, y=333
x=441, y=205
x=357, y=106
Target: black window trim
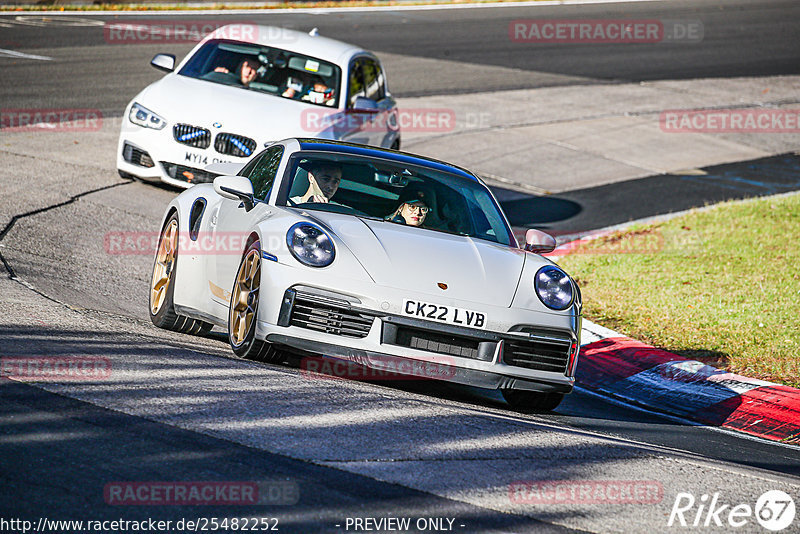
x=350, y=67
x=255, y=161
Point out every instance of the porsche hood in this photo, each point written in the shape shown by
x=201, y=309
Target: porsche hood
x=403, y=257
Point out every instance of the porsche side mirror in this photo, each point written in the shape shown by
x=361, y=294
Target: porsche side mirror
x=539, y=242
x=235, y=188
x=365, y=104
x=165, y=62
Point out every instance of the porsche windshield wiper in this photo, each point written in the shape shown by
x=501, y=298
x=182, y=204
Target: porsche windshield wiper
x=371, y=218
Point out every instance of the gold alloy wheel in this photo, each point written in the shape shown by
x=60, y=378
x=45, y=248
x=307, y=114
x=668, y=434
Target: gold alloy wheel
x=165, y=263
x=244, y=301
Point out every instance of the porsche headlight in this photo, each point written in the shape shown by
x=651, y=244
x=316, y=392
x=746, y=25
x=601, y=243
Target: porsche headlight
x=554, y=287
x=141, y=116
x=310, y=245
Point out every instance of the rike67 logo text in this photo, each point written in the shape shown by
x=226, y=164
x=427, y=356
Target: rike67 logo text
x=774, y=510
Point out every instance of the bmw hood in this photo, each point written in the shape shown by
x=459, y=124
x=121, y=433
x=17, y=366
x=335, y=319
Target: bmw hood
x=416, y=259
x=263, y=117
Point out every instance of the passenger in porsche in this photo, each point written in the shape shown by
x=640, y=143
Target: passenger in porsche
x=412, y=210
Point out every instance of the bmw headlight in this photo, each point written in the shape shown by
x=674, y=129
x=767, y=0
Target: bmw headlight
x=310, y=245
x=145, y=118
x=554, y=287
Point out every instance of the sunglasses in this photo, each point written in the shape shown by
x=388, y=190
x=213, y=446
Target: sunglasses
x=422, y=209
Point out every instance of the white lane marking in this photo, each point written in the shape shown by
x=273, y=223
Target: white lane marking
x=5, y=25
x=317, y=10
x=594, y=332
x=21, y=55
x=47, y=20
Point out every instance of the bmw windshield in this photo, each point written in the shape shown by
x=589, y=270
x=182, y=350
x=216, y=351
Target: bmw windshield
x=266, y=70
x=394, y=192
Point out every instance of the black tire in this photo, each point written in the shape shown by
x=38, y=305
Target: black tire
x=162, y=310
x=248, y=283
x=532, y=401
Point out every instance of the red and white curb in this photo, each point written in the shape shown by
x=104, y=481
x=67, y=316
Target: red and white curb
x=633, y=372
x=636, y=373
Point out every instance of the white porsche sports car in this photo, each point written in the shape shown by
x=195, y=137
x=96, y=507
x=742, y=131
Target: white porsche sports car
x=231, y=97
x=373, y=256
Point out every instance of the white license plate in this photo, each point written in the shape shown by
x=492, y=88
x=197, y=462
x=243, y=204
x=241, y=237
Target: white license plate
x=444, y=314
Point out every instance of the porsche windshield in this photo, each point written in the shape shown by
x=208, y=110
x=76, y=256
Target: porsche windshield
x=266, y=70
x=395, y=193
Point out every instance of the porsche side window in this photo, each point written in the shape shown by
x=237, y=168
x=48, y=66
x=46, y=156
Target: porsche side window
x=263, y=174
x=247, y=169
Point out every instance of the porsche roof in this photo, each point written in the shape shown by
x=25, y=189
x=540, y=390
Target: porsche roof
x=296, y=41
x=394, y=155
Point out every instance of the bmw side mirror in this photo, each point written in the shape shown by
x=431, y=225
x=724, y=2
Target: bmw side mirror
x=165, y=62
x=539, y=242
x=365, y=104
x=235, y=188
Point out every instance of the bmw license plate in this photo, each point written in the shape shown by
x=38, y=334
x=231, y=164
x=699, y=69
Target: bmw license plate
x=444, y=314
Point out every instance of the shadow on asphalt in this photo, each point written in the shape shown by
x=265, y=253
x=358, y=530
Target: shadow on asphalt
x=479, y=397
x=41, y=342
x=584, y=210
x=194, y=387
x=59, y=456
x=538, y=212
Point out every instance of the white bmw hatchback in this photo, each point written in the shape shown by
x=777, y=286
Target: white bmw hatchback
x=231, y=97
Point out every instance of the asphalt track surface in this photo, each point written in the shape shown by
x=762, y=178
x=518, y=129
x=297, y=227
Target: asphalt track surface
x=740, y=38
x=60, y=447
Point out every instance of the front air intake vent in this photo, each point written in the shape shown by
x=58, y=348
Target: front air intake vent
x=234, y=145
x=193, y=136
x=542, y=353
x=190, y=175
x=312, y=314
x=137, y=156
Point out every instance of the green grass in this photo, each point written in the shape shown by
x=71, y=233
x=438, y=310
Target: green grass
x=720, y=285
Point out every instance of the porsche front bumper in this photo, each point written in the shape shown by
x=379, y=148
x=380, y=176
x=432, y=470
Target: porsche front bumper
x=527, y=357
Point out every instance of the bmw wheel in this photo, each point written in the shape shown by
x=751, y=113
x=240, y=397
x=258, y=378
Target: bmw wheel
x=244, y=309
x=162, y=286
